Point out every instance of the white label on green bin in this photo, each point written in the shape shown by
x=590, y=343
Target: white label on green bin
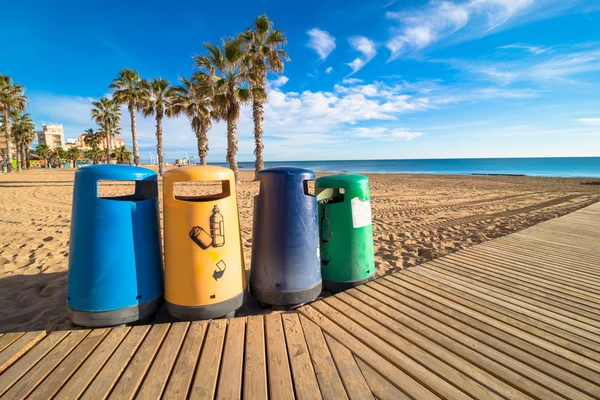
x=361, y=212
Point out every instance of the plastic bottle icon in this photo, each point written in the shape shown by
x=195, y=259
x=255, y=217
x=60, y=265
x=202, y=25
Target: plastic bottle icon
x=217, y=229
x=325, y=227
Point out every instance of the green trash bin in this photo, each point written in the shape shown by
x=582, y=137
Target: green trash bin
x=345, y=231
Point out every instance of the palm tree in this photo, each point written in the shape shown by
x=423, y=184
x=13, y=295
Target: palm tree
x=228, y=69
x=91, y=139
x=107, y=114
x=130, y=89
x=263, y=44
x=12, y=97
x=22, y=132
x=122, y=155
x=73, y=154
x=43, y=151
x=161, y=97
x=194, y=99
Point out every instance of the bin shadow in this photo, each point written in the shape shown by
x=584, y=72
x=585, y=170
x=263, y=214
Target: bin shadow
x=36, y=301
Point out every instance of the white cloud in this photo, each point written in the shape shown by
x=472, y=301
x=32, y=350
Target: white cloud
x=521, y=46
x=559, y=67
x=382, y=133
x=321, y=42
x=279, y=82
x=589, y=121
x=329, y=70
x=351, y=81
x=366, y=47
x=456, y=21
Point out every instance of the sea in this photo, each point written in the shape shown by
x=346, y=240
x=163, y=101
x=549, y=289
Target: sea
x=581, y=167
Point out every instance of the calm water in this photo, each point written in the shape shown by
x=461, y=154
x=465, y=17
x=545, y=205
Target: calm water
x=588, y=167
x=582, y=167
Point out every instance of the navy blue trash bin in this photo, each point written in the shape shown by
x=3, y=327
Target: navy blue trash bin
x=286, y=269
x=115, y=258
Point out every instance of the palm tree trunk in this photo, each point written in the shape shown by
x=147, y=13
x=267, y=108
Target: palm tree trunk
x=9, y=166
x=136, y=152
x=18, y=151
x=24, y=156
x=108, y=146
x=201, y=136
x=232, y=144
x=159, y=151
x=257, y=113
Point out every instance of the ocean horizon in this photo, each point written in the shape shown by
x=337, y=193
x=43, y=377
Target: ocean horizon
x=565, y=167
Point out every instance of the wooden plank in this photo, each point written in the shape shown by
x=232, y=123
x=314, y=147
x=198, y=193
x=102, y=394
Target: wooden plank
x=131, y=378
x=536, y=332
x=8, y=339
x=498, y=320
x=185, y=366
x=35, y=375
x=54, y=381
x=353, y=380
x=107, y=377
x=328, y=377
x=489, y=260
x=205, y=381
x=514, y=346
x=19, y=347
x=554, y=330
x=543, y=297
x=380, y=387
x=156, y=380
x=531, y=305
x=412, y=358
x=396, y=376
x=278, y=367
x=230, y=379
x=80, y=380
x=255, y=364
x=473, y=351
x=25, y=363
x=495, y=272
x=305, y=381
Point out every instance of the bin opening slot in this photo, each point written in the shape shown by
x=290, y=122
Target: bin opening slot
x=201, y=191
x=331, y=196
x=127, y=190
x=309, y=187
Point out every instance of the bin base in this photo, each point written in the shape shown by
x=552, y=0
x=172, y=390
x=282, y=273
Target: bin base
x=337, y=286
x=286, y=297
x=211, y=311
x=98, y=319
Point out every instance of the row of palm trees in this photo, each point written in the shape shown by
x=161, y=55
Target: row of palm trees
x=229, y=76
x=16, y=123
x=19, y=129
x=121, y=155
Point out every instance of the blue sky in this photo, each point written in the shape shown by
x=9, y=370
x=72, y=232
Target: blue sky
x=366, y=80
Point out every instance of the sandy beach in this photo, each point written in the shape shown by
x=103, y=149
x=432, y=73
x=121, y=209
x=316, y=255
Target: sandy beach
x=416, y=218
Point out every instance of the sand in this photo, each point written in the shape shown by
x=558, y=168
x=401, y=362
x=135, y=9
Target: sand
x=416, y=218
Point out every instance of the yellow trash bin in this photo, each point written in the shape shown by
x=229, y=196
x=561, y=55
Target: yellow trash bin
x=204, y=263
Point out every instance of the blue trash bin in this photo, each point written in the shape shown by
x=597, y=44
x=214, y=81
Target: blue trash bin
x=115, y=258
x=286, y=269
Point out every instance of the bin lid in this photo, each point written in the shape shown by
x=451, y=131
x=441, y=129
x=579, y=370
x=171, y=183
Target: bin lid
x=286, y=171
x=342, y=181
x=199, y=173
x=116, y=172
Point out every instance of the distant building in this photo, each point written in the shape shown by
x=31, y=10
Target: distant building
x=52, y=136
x=116, y=142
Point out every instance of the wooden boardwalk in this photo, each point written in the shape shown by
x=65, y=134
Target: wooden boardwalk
x=514, y=318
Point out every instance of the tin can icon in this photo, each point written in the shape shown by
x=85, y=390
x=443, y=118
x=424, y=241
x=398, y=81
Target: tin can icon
x=216, y=228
